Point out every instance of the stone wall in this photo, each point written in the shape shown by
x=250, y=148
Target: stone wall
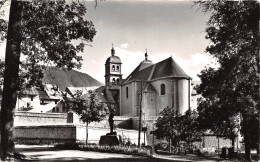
x=48, y=134
x=29, y=118
x=53, y=134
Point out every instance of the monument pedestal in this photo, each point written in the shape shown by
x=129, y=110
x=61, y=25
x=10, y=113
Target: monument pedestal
x=110, y=140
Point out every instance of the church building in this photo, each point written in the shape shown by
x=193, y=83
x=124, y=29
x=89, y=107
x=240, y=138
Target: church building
x=151, y=87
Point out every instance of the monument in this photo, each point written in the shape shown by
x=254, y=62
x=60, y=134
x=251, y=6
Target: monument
x=111, y=137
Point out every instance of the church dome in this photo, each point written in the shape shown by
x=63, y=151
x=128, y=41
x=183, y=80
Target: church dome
x=113, y=58
x=146, y=63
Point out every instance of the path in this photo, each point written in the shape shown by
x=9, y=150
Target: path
x=49, y=153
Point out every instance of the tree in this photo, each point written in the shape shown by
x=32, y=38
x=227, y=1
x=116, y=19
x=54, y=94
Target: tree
x=42, y=31
x=190, y=132
x=232, y=89
x=90, y=109
x=177, y=128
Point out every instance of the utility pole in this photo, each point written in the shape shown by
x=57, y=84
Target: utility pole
x=140, y=114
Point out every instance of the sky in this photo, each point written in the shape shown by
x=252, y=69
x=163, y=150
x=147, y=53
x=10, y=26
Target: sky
x=165, y=28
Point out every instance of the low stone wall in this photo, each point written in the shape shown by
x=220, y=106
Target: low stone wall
x=210, y=141
x=47, y=134
x=53, y=134
x=29, y=118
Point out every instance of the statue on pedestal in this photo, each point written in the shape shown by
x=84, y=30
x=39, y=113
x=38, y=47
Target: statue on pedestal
x=111, y=137
x=111, y=122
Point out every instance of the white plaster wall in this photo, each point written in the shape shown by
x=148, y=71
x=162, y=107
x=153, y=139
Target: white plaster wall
x=127, y=103
x=22, y=102
x=149, y=104
x=81, y=132
x=163, y=101
x=183, y=95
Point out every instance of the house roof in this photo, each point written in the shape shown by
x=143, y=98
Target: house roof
x=52, y=91
x=105, y=95
x=84, y=90
x=165, y=68
x=30, y=91
x=42, y=93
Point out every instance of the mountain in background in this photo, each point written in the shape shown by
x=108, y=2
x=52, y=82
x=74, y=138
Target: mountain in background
x=68, y=78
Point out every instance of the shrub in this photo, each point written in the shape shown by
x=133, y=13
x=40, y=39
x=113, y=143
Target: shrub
x=133, y=150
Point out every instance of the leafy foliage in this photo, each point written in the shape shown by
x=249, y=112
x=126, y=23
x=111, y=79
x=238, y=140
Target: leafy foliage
x=232, y=90
x=3, y=23
x=90, y=109
x=177, y=127
x=44, y=32
x=54, y=34
x=47, y=34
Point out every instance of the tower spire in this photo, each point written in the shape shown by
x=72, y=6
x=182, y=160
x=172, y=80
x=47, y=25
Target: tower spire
x=112, y=50
x=146, y=55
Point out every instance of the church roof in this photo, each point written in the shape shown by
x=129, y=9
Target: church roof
x=144, y=64
x=150, y=88
x=165, y=68
x=113, y=59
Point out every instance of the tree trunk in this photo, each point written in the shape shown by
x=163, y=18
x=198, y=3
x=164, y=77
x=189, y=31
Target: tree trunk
x=247, y=146
x=86, y=133
x=233, y=140
x=246, y=138
x=11, y=79
x=170, y=144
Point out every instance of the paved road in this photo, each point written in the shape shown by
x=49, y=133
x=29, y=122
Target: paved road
x=45, y=153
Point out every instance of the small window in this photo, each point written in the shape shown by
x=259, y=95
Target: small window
x=126, y=92
x=113, y=80
x=117, y=68
x=162, y=89
x=113, y=68
x=31, y=98
x=117, y=81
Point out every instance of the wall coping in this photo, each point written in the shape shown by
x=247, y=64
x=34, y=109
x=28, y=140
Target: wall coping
x=51, y=115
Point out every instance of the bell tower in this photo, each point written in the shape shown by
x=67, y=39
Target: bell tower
x=113, y=76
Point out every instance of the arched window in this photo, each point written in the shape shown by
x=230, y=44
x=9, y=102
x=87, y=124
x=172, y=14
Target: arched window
x=113, y=68
x=117, y=68
x=162, y=89
x=126, y=93
x=117, y=80
x=113, y=80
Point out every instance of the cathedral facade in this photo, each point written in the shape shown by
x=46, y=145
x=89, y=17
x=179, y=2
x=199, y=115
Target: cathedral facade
x=151, y=87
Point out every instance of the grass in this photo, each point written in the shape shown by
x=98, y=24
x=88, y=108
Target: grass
x=129, y=150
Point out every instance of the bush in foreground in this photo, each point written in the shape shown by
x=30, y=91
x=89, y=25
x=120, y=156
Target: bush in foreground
x=132, y=150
